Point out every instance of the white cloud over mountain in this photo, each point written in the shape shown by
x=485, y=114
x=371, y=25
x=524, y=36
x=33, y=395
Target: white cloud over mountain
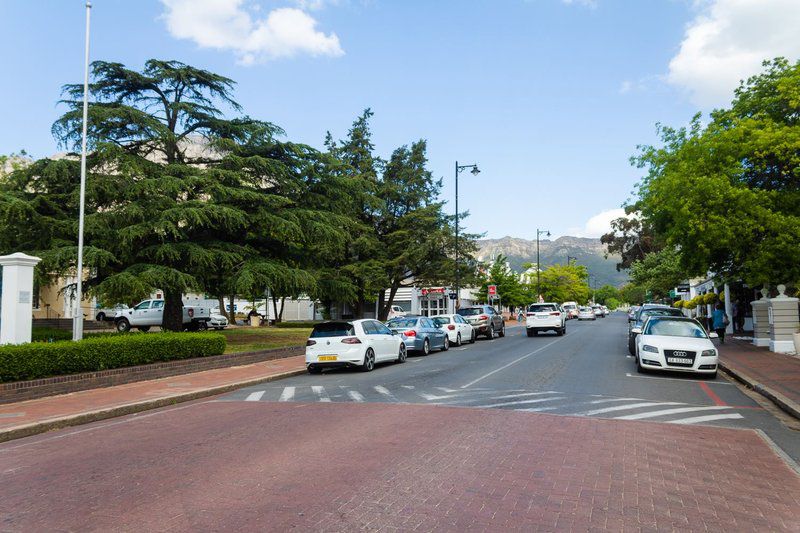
x=228, y=25
x=597, y=225
x=727, y=41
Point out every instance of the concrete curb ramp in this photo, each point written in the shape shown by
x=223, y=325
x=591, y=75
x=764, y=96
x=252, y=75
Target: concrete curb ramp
x=136, y=407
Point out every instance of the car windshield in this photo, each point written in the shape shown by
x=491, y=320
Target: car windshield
x=441, y=320
x=666, y=311
x=569, y=306
x=333, y=329
x=675, y=328
x=470, y=311
x=541, y=308
x=402, y=323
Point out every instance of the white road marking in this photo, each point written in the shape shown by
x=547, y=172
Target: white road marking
x=408, y=387
x=707, y=418
x=287, y=395
x=434, y=397
x=385, y=392
x=653, y=414
x=445, y=389
x=625, y=407
x=537, y=409
x=523, y=394
x=255, y=396
x=515, y=361
x=320, y=392
x=678, y=379
x=355, y=396
x=521, y=402
x=608, y=400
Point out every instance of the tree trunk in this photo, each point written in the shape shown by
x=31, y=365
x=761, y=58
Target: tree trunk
x=275, y=308
x=384, y=309
x=173, y=311
x=382, y=313
x=283, y=303
x=232, y=310
x=221, y=304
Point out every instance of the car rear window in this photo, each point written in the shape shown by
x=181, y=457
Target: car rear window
x=333, y=329
x=541, y=308
x=441, y=320
x=666, y=311
x=402, y=323
x=470, y=311
x=569, y=306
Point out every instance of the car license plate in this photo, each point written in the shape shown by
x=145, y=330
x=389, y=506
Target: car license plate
x=683, y=360
x=326, y=358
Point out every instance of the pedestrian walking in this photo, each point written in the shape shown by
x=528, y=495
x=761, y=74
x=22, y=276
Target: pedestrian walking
x=720, y=322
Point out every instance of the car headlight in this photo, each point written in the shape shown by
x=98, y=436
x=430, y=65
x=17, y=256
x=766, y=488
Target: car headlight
x=709, y=353
x=648, y=348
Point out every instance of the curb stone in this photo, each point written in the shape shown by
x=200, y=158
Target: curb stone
x=136, y=407
x=777, y=398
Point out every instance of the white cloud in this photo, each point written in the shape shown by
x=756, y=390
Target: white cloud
x=727, y=41
x=587, y=3
x=226, y=25
x=597, y=225
x=625, y=87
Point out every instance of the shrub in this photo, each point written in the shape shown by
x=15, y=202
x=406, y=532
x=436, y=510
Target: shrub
x=297, y=324
x=102, y=352
x=44, y=334
x=710, y=298
x=678, y=304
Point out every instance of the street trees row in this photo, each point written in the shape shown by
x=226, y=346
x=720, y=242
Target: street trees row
x=723, y=196
x=181, y=197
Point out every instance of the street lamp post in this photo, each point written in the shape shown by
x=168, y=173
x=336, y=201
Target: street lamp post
x=593, y=285
x=538, y=265
x=475, y=172
x=77, y=319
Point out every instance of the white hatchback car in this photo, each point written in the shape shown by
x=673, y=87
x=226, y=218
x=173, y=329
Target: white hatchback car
x=586, y=313
x=458, y=330
x=356, y=343
x=545, y=317
x=676, y=343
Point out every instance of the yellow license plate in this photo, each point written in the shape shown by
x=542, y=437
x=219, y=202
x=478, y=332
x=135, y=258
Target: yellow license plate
x=326, y=358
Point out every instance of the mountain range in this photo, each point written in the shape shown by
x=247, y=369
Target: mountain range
x=586, y=251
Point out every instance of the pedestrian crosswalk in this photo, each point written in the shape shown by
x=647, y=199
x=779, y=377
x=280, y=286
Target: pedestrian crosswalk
x=548, y=401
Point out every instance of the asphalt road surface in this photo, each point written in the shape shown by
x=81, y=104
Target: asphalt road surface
x=544, y=433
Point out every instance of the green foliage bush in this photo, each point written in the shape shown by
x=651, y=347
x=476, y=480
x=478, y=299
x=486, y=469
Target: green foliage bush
x=43, y=359
x=40, y=334
x=297, y=324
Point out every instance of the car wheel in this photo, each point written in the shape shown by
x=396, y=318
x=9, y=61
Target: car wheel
x=631, y=346
x=564, y=330
x=529, y=332
x=559, y=332
x=100, y=317
x=639, y=368
x=426, y=347
x=369, y=361
x=502, y=331
x=472, y=337
x=123, y=326
x=403, y=354
x=458, y=339
x=314, y=370
x=446, y=345
x=144, y=329
x=490, y=333
x=202, y=326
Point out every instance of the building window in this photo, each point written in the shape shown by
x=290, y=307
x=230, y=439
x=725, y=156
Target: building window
x=433, y=306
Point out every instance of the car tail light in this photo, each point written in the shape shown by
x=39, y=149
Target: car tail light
x=410, y=333
x=483, y=317
x=555, y=314
x=531, y=314
x=451, y=327
x=309, y=342
x=351, y=340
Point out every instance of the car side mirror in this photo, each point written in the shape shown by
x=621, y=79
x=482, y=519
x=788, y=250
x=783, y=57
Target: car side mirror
x=713, y=335
x=636, y=330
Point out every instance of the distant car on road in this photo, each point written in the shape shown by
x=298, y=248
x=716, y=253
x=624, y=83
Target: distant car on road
x=217, y=321
x=571, y=309
x=545, y=317
x=676, y=343
x=643, y=314
x=420, y=334
x=107, y=314
x=586, y=313
x=598, y=311
x=396, y=311
x=485, y=319
x=457, y=329
x=357, y=343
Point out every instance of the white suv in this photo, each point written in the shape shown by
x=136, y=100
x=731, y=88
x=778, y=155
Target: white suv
x=545, y=317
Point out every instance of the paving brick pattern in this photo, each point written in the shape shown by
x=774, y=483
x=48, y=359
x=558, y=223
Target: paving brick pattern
x=343, y=467
x=776, y=371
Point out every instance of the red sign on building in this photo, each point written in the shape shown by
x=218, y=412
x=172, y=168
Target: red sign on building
x=492, y=290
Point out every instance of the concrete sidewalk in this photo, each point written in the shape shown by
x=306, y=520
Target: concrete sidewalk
x=22, y=419
x=773, y=375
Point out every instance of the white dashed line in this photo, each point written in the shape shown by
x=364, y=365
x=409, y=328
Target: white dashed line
x=287, y=395
x=355, y=396
x=254, y=396
x=320, y=392
x=663, y=412
x=707, y=418
x=626, y=407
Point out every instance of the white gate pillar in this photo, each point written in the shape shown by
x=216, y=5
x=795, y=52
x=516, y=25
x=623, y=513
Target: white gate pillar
x=16, y=306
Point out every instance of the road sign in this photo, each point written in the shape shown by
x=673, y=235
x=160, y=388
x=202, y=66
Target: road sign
x=683, y=287
x=453, y=296
x=492, y=290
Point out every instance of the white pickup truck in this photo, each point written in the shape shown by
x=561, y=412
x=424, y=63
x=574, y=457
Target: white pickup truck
x=149, y=313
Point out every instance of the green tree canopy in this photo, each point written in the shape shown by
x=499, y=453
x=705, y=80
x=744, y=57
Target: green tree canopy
x=564, y=283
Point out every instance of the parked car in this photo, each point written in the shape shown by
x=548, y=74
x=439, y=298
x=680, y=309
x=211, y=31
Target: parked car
x=676, y=343
x=545, y=317
x=586, y=313
x=107, y=314
x=420, y=334
x=642, y=314
x=396, y=311
x=606, y=310
x=457, y=329
x=632, y=312
x=149, y=313
x=485, y=319
x=571, y=309
x=217, y=321
x=356, y=343
x=598, y=311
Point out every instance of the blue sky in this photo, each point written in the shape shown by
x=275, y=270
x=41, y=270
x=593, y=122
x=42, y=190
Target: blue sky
x=549, y=97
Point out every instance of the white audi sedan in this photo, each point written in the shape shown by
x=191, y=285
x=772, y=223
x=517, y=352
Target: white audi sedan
x=458, y=330
x=355, y=343
x=676, y=343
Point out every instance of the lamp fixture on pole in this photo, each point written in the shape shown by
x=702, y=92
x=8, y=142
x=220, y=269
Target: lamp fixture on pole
x=475, y=172
x=538, y=265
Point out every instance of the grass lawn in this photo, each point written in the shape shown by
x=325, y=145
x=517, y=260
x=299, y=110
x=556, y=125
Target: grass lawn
x=252, y=339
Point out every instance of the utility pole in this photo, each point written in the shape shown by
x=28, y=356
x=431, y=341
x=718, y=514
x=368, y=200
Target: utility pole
x=538, y=264
x=475, y=172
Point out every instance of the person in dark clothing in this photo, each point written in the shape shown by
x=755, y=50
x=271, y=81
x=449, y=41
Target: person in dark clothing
x=720, y=322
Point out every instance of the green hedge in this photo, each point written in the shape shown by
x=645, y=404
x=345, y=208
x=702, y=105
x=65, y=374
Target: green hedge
x=41, y=334
x=44, y=359
x=297, y=324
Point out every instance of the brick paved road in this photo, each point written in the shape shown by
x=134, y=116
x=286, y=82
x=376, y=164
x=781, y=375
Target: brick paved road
x=335, y=467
